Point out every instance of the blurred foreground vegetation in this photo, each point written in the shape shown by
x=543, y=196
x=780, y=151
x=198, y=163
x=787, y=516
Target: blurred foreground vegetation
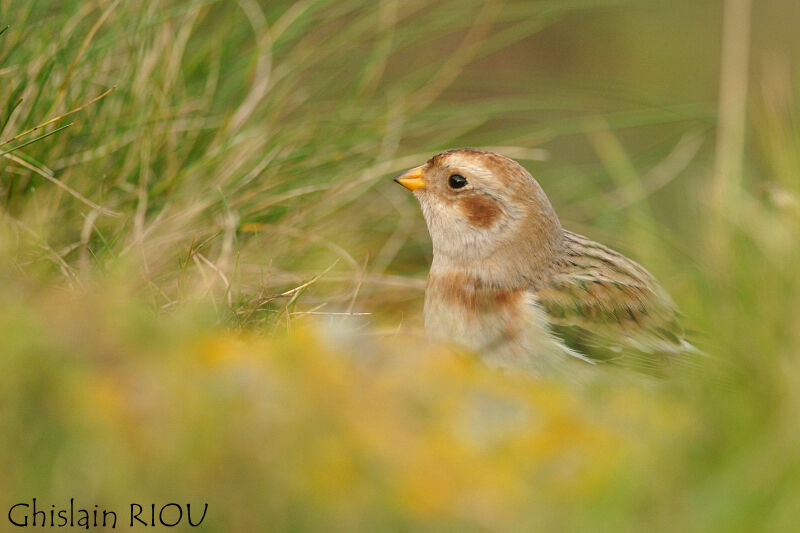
x=212, y=291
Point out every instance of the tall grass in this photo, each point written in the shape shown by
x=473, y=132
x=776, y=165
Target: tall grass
x=159, y=256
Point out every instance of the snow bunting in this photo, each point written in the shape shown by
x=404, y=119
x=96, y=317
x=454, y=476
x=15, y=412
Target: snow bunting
x=507, y=281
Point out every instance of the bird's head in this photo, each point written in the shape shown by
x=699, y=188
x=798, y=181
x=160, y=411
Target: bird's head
x=482, y=206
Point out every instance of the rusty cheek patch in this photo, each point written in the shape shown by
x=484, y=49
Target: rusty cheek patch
x=479, y=210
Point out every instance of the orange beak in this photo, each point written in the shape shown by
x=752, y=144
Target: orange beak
x=412, y=179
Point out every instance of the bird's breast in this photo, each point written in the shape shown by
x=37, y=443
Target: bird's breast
x=462, y=309
x=506, y=326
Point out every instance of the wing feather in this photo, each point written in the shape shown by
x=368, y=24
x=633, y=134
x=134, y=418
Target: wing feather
x=610, y=308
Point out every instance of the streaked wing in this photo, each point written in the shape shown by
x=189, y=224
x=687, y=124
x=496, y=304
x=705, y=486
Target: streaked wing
x=609, y=307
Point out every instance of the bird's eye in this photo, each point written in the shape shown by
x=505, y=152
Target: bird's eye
x=457, y=181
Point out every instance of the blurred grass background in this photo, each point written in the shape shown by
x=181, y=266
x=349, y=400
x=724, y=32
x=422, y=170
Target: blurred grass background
x=161, y=259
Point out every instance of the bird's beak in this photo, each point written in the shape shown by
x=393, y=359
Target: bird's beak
x=412, y=179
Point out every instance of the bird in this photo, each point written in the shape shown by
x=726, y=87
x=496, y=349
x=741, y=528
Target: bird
x=508, y=282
